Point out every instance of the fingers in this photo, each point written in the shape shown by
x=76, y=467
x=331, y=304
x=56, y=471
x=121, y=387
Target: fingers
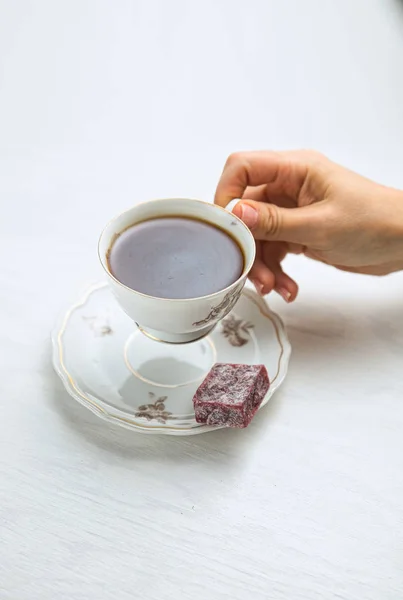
x=261, y=193
x=267, y=274
x=260, y=275
x=257, y=193
x=283, y=173
x=285, y=286
x=270, y=222
x=262, y=278
x=273, y=254
x=267, y=279
x=270, y=184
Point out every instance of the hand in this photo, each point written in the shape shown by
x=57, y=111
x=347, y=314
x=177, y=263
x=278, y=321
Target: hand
x=301, y=202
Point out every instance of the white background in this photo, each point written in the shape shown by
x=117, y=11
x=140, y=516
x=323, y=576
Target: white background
x=103, y=104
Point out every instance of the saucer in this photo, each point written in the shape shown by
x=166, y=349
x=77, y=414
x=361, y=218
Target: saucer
x=109, y=366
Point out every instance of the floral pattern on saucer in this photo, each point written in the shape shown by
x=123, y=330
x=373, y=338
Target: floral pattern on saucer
x=236, y=330
x=154, y=411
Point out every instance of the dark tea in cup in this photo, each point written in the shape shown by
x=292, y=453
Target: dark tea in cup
x=176, y=257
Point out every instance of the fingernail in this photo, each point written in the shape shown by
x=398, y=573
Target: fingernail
x=249, y=215
x=284, y=293
x=258, y=286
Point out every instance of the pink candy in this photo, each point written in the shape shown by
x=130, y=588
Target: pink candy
x=231, y=394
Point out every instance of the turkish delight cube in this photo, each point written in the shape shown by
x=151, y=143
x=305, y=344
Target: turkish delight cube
x=231, y=394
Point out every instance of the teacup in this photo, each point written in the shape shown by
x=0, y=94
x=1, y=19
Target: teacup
x=175, y=320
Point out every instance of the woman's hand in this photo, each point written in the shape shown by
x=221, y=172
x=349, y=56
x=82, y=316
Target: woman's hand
x=301, y=202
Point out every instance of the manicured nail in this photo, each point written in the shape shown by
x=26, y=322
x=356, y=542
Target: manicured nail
x=249, y=215
x=258, y=286
x=284, y=293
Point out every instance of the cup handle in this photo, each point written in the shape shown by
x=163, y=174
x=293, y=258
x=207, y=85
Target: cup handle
x=231, y=205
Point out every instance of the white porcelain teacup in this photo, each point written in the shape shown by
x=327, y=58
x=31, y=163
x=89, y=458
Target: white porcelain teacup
x=176, y=320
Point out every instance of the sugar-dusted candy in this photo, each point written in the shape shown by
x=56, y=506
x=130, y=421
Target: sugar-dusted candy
x=231, y=394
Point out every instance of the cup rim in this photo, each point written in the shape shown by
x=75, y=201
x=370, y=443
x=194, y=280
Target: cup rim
x=244, y=273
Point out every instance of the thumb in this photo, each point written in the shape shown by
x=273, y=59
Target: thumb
x=270, y=222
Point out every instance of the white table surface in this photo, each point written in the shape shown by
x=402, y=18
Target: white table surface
x=103, y=104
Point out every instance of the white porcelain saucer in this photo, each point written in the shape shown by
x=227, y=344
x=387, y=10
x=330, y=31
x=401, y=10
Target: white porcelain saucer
x=110, y=367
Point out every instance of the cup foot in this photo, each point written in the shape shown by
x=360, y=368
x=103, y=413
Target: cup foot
x=182, y=365
x=175, y=338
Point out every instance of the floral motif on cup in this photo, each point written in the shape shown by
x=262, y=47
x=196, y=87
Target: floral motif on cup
x=223, y=308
